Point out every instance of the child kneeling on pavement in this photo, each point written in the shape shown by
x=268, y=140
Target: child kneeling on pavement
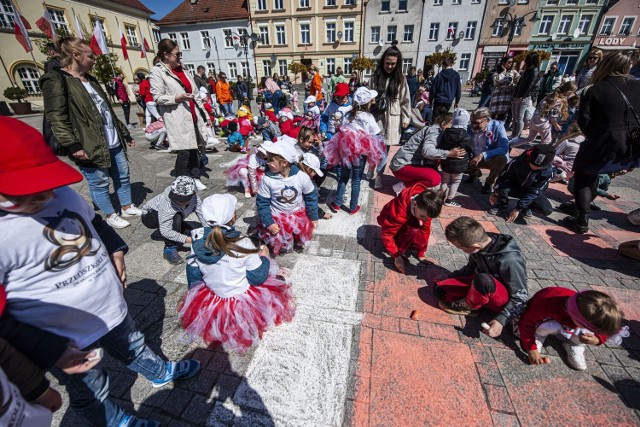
x=494, y=277
x=167, y=212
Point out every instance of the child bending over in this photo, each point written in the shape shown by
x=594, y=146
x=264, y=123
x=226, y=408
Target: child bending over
x=248, y=172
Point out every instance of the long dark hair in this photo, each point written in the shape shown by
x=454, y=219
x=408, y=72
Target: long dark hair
x=396, y=79
x=503, y=61
x=532, y=61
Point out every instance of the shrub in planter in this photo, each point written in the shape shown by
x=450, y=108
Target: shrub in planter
x=18, y=94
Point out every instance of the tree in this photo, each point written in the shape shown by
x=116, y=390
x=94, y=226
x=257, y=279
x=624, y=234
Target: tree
x=361, y=64
x=436, y=58
x=543, y=55
x=102, y=69
x=297, y=68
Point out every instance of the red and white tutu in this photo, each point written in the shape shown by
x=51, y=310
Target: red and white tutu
x=237, y=322
x=347, y=145
x=238, y=174
x=295, y=227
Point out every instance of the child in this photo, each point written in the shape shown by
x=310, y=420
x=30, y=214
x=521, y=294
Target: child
x=156, y=134
x=495, y=276
x=269, y=112
x=310, y=164
x=406, y=223
x=578, y=318
x=310, y=105
x=566, y=152
x=285, y=119
x=339, y=106
x=235, y=292
x=235, y=140
x=248, y=172
x=357, y=140
x=308, y=142
x=294, y=100
x=167, y=212
x=287, y=202
x=452, y=167
x=526, y=178
x=269, y=130
x=245, y=122
x=66, y=275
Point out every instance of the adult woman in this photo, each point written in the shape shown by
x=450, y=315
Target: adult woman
x=182, y=111
x=605, y=120
x=504, y=83
x=276, y=94
x=390, y=83
x=522, y=102
x=135, y=88
x=82, y=119
x=315, y=87
x=583, y=77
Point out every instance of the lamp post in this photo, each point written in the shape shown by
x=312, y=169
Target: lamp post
x=244, y=42
x=513, y=22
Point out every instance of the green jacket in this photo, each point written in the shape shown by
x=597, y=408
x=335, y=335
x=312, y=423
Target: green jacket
x=75, y=119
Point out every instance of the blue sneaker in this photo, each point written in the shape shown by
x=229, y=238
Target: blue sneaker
x=131, y=421
x=178, y=371
x=171, y=254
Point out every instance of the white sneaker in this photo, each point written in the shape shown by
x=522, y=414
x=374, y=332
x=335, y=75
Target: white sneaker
x=398, y=187
x=377, y=183
x=247, y=194
x=575, y=355
x=132, y=210
x=199, y=185
x=116, y=222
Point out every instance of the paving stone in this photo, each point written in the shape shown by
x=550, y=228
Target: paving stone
x=489, y=374
x=504, y=420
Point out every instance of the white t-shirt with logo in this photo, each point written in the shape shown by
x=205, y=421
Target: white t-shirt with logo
x=57, y=273
x=110, y=133
x=286, y=193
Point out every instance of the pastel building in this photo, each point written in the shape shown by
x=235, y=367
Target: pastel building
x=619, y=26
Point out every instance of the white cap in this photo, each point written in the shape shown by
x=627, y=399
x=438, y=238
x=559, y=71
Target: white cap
x=203, y=93
x=283, y=148
x=286, y=114
x=219, y=209
x=313, y=162
x=310, y=99
x=363, y=95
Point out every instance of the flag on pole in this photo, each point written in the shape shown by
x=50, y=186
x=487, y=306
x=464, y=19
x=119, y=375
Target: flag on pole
x=78, y=27
x=44, y=23
x=20, y=27
x=451, y=31
x=123, y=44
x=145, y=47
x=98, y=43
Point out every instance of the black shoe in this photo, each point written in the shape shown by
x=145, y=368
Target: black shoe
x=574, y=225
x=569, y=208
x=486, y=189
x=472, y=177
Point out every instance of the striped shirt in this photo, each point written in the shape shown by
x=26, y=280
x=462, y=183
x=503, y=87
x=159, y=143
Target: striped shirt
x=166, y=211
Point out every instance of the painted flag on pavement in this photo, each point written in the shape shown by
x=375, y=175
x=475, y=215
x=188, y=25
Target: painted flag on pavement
x=44, y=23
x=123, y=44
x=98, y=43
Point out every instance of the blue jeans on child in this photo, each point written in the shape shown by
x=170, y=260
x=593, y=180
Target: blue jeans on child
x=98, y=179
x=89, y=391
x=356, y=176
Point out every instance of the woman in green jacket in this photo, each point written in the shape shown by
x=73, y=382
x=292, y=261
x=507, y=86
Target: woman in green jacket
x=84, y=123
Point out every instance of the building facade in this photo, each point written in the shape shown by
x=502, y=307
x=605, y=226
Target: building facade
x=495, y=34
x=454, y=25
x=387, y=21
x=325, y=33
x=212, y=33
x=130, y=15
x=566, y=29
x=619, y=26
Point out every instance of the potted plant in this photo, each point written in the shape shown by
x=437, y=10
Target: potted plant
x=17, y=94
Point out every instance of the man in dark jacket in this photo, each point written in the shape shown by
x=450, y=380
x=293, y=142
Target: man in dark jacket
x=241, y=91
x=412, y=82
x=495, y=276
x=201, y=78
x=526, y=178
x=446, y=89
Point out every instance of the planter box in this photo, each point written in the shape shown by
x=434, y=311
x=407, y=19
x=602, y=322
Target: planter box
x=21, y=107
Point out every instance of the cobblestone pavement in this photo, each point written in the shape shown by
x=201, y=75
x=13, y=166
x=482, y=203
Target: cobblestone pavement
x=353, y=356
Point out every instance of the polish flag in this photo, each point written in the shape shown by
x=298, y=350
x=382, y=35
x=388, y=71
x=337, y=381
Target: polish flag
x=123, y=44
x=78, y=27
x=44, y=23
x=98, y=43
x=20, y=27
x=145, y=47
x=451, y=31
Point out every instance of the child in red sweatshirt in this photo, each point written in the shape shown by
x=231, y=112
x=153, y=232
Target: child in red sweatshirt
x=406, y=222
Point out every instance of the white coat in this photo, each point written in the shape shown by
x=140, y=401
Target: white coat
x=165, y=86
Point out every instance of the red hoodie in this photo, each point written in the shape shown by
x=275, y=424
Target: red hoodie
x=396, y=214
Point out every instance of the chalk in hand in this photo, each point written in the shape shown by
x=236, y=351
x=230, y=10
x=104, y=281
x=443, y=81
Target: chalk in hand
x=485, y=326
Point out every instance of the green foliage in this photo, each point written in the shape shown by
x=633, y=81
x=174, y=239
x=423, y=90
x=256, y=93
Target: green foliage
x=15, y=93
x=543, y=55
x=363, y=64
x=482, y=75
x=297, y=68
x=102, y=69
x=436, y=58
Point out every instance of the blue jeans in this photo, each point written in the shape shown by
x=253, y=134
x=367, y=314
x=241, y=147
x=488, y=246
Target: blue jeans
x=89, y=391
x=356, y=176
x=98, y=180
x=485, y=99
x=227, y=109
x=383, y=161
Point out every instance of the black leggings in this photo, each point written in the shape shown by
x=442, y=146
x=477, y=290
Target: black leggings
x=188, y=163
x=584, y=190
x=126, y=107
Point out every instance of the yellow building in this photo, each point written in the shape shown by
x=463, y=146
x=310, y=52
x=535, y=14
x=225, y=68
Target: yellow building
x=323, y=32
x=132, y=16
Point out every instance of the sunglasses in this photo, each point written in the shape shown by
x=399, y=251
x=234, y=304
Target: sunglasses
x=177, y=55
x=593, y=57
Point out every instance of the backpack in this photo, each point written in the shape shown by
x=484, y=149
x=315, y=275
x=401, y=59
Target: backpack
x=47, y=132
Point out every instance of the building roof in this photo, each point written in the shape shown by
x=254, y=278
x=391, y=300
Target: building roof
x=134, y=4
x=206, y=11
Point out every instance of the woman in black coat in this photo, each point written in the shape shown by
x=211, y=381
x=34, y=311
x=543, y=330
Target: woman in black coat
x=605, y=120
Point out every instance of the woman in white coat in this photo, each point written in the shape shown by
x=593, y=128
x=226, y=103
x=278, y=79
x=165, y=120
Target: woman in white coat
x=185, y=119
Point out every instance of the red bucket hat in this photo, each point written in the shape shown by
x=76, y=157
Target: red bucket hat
x=342, y=89
x=27, y=163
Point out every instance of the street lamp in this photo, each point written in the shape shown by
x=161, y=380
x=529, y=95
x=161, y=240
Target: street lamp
x=244, y=41
x=513, y=22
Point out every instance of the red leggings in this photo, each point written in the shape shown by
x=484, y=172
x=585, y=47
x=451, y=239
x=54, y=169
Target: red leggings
x=411, y=174
x=479, y=290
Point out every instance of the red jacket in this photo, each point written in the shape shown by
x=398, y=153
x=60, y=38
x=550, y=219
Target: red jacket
x=397, y=213
x=121, y=91
x=271, y=116
x=145, y=91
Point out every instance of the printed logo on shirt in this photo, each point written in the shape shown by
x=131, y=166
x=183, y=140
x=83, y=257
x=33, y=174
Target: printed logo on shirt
x=73, y=237
x=287, y=195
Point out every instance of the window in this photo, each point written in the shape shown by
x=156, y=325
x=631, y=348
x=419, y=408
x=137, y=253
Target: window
x=457, y=2
x=470, y=33
x=262, y=4
x=95, y=19
x=503, y=1
x=184, y=39
x=591, y=2
x=29, y=77
x=190, y=67
x=348, y=65
x=391, y=33
x=331, y=32
x=552, y=2
x=233, y=70
x=278, y=4
x=132, y=37
x=452, y=30
x=385, y=6
x=331, y=65
x=545, y=25
x=211, y=68
x=329, y=3
x=437, y=2
x=625, y=28
x=305, y=33
x=434, y=29
x=245, y=69
x=349, y=2
x=475, y=1
x=173, y=37
x=406, y=65
x=572, y=1
x=58, y=20
x=6, y=14
x=266, y=67
x=264, y=35
x=228, y=37
x=607, y=26
x=517, y=28
x=156, y=35
x=348, y=31
x=408, y=33
x=584, y=24
x=280, y=35
x=206, y=41
x=565, y=24
x=304, y=4
x=402, y=5
x=375, y=34
x=282, y=67
x=523, y=1
x=498, y=27
x=464, y=61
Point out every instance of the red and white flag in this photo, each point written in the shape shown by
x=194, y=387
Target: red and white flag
x=44, y=23
x=451, y=31
x=123, y=44
x=98, y=43
x=145, y=46
x=78, y=27
x=20, y=27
